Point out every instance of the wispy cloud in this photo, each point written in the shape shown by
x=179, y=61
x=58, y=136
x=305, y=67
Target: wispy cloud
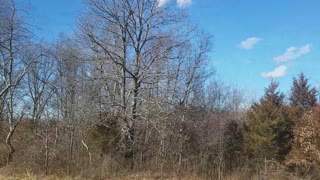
x=162, y=2
x=277, y=72
x=180, y=3
x=293, y=53
x=184, y=3
x=249, y=43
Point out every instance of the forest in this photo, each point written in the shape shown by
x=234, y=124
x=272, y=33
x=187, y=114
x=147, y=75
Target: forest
x=131, y=95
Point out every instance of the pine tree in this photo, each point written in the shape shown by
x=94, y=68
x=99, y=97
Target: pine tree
x=302, y=97
x=269, y=129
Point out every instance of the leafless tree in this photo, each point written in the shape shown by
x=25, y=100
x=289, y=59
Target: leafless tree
x=69, y=60
x=40, y=80
x=134, y=37
x=14, y=65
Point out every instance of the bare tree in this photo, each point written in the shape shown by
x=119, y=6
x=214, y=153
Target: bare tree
x=44, y=133
x=134, y=36
x=14, y=65
x=40, y=86
x=69, y=61
x=40, y=80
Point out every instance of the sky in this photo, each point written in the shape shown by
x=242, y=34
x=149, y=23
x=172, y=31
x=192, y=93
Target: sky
x=254, y=40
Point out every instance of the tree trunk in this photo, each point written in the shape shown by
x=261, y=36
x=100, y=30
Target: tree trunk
x=46, y=146
x=129, y=155
x=71, y=144
x=88, y=150
x=56, y=138
x=130, y=126
x=9, y=145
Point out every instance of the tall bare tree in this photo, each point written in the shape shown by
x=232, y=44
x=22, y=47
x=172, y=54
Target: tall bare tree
x=14, y=65
x=134, y=37
x=69, y=62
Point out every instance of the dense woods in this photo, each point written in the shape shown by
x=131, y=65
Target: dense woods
x=133, y=91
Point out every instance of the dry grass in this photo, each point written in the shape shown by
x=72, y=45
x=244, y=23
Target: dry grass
x=6, y=174
x=142, y=176
x=10, y=174
x=152, y=176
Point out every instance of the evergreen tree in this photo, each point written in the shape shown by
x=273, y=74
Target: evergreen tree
x=302, y=97
x=269, y=128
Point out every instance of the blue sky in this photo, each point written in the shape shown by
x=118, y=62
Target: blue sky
x=254, y=40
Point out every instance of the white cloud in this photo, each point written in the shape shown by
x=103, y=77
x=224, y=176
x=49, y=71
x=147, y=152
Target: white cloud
x=249, y=43
x=277, y=72
x=184, y=3
x=293, y=53
x=162, y=2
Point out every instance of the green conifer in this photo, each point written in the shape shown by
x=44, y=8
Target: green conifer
x=302, y=97
x=269, y=129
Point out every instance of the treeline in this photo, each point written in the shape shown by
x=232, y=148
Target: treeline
x=133, y=90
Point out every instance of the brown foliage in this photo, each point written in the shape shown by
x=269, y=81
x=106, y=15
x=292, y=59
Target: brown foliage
x=305, y=153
